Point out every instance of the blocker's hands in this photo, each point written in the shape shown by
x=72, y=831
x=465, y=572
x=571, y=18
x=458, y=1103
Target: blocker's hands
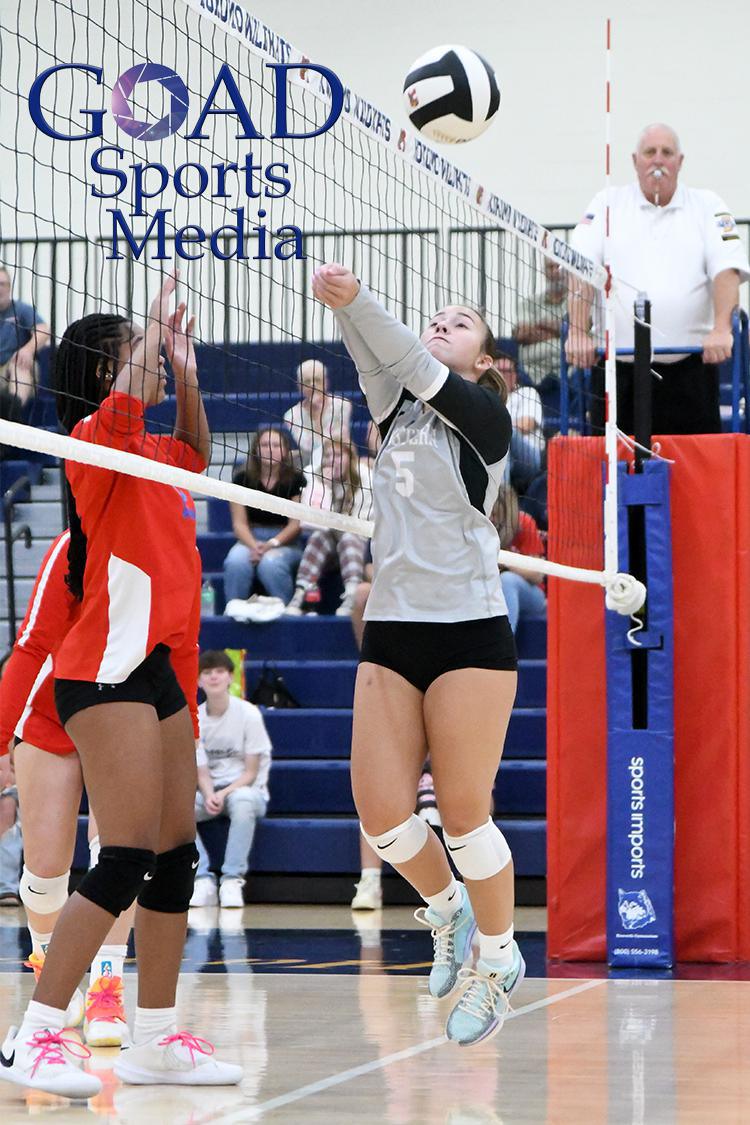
x=178, y=341
x=335, y=285
x=717, y=345
x=159, y=310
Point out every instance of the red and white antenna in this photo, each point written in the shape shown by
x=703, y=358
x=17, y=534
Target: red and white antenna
x=610, y=353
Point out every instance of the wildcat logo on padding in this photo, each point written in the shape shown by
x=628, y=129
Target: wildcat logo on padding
x=635, y=909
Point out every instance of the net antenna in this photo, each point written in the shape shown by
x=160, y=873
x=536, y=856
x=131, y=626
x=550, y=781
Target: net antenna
x=401, y=213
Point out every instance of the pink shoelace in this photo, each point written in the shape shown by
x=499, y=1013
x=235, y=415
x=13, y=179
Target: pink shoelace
x=193, y=1043
x=50, y=1045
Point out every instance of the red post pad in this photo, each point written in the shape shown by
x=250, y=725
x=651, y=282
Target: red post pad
x=710, y=500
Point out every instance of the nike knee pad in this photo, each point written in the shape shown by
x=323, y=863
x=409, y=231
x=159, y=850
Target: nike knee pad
x=401, y=843
x=479, y=854
x=171, y=888
x=117, y=878
x=43, y=896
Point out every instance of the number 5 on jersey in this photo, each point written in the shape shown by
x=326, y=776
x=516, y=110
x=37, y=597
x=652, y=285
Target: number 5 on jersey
x=404, y=476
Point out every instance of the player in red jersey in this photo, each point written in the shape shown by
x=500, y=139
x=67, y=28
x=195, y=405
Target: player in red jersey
x=134, y=566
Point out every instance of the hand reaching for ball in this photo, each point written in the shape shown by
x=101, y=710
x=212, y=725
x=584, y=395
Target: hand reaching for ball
x=335, y=285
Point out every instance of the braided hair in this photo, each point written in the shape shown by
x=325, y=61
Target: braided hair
x=85, y=362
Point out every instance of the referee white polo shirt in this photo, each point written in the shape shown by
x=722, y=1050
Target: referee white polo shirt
x=671, y=253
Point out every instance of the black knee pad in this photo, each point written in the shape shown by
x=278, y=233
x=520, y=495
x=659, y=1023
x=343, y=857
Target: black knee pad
x=170, y=890
x=117, y=878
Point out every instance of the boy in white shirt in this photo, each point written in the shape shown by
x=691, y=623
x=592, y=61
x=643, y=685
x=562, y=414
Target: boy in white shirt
x=234, y=760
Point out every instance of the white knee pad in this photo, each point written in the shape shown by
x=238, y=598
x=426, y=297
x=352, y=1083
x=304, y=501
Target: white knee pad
x=43, y=896
x=94, y=848
x=479, y=854
x=402, y=843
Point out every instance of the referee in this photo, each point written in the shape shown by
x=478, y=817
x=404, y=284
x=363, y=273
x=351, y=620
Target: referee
x=681, y=247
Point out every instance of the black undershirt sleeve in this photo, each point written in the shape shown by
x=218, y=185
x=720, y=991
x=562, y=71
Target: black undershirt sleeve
x=477, y=413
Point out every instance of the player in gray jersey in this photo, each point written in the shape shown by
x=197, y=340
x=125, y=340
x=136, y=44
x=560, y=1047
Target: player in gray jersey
x=438, y=662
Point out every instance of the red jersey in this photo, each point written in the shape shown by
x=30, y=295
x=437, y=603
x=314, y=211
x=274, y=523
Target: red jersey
x=27, y=693
x=143, y=571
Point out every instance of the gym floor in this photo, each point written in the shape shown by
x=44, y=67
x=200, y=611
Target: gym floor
x=329, y=1015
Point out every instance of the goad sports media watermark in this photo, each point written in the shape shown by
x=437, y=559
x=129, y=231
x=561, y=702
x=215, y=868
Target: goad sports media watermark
x=149, y=103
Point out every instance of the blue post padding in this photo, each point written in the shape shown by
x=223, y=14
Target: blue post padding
x=640, y=762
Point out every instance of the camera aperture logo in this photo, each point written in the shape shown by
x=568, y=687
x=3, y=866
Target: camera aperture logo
x=150, y=102
x=128, y=107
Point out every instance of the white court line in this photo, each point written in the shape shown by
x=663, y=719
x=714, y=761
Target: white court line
x=249, y=1113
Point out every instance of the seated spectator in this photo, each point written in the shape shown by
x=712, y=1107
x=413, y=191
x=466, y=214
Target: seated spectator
x=268, y=545
x=523, y=590
x=11, y=843
x=22, y=335
x=527, y=442
x=319, y=416
x=338, y=487
x=538, y=329
x=234, y=760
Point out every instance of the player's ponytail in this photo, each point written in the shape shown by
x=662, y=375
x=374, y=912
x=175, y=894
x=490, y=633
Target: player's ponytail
x=492, y=378
x=85, y=364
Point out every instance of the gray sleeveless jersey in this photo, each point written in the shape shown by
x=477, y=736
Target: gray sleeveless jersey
x=436, y=476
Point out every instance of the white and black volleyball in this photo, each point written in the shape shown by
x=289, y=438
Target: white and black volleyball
x=451, y=94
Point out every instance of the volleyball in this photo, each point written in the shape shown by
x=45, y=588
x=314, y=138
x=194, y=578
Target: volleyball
x=451, y=94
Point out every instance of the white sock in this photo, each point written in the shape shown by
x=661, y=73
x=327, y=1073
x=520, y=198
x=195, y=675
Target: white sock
x=39, y=942
x=150, y=1022
x=447, y=902
x=108, y=962
x=371, y=873
x=38, y=1016
x=497, y=949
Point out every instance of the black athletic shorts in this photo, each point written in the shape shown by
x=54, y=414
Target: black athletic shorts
x=152, y=682
x=420, y=651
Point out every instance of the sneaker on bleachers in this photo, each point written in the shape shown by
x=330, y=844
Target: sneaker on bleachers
x=368, y=894
x=204, y=892
x=230, y=893
x=347, y=601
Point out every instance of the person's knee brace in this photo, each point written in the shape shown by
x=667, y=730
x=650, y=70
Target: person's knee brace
x=117, y=878
x=43, y=896
x=401, y=843
x=479, y=854
x=170, y=890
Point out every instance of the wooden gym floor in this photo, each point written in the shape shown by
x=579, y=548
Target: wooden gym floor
x=332, y=1022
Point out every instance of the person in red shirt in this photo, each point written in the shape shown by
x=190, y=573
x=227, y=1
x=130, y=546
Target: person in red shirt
x=523, y=590
x=134, y=567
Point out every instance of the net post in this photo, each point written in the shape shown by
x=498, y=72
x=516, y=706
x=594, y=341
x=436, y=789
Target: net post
x=642, y=414
x=736, y=361
x=640, y=741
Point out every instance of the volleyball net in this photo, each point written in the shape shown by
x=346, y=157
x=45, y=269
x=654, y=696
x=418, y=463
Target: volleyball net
x=186, y=133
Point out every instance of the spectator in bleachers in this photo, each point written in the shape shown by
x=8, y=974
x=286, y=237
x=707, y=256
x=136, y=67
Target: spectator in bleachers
x=337, y=487
x=268, y=546
x=538, y=329
x=23, y=334
x=234, y=761
x=523, y=590
x=319, y=416
x=11, y=842
x=525, y=409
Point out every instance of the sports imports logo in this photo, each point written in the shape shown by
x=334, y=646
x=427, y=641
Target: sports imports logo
x=140, y=97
